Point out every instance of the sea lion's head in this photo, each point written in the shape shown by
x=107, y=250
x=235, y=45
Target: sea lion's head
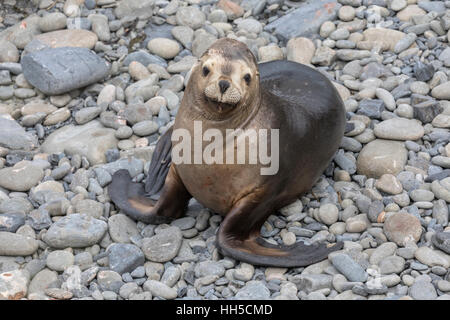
x=227, y=76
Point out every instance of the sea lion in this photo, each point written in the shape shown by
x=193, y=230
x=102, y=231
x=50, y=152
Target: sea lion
x=226, y=91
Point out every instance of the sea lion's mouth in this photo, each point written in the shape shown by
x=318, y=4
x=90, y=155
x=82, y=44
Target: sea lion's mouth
x=221, y=106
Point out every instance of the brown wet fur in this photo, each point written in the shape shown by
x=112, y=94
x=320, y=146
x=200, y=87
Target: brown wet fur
x=141, y=204
x=251, y=247
x=310, y=116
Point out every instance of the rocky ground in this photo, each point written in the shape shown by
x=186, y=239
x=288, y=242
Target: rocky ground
x=88, y=86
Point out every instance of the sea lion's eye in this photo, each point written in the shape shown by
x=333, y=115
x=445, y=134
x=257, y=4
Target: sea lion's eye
x=247, y=78
x=205, y=71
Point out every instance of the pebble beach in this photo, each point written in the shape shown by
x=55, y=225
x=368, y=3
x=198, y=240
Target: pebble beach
x=87, y=87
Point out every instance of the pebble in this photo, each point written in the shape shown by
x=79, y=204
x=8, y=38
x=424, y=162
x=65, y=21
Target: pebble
x=87, y=114
x=184, y=223
x=121, y=228
x=287, y=27
x=128, y=289
x=76, y=231
x=68, y=38
x=405, y=42
x=300, y=50
x=90, y=140
x=379, y=157
x=392, y=264
x=399, y=129
x=244, y=273
x=21, y=177
x=124, y=257
x=14, y=284
x=441, y=241
x=145, y=128
x=206, y=268
x=422, y=290
x=137, y=71
x=53, y=21
x=100, y=26
x=326, y=29
x=10, y=222
x=184, y=34
x=254, y=290
x=46, y=69
x=190, y=16
x=107, y=95
x=441, y=91
x=13, y=244
x=41, y=281
x=270, y=53
x=349, y=268
x=60, y=260
x=109, y=280
x=171, y=276
x=159, y=289
x=431, y=258
x=165, y=48
x=58, y=294
x=8, y=52
x=383, y=251
x=402, y=227
x=389, y=183
x=163, y=246
x=144, y=58
x=328, y=213
x=346, y=13
x=357, y=223
x=250, y=25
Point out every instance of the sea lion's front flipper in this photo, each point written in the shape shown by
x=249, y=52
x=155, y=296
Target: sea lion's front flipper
x=130, y=198
x=238, y=237
x=160, y=164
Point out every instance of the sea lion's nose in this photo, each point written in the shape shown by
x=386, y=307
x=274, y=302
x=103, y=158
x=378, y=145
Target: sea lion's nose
x=223, y=85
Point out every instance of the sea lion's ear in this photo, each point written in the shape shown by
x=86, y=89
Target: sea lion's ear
x=198, y=63
x=208, y=52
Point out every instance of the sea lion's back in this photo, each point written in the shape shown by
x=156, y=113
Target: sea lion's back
x=300, y=85
x=310, y=114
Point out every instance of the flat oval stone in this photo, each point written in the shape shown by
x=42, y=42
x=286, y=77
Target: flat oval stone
x=431, y=257
x=76, y=231
x=12, y=244
x=90, y=140
x=399, y=129
x=21, y=177
x=37, y=106
x=59, y=70
x=69, y=38
x=381, y=156
x=388, y=37
x=442, y=91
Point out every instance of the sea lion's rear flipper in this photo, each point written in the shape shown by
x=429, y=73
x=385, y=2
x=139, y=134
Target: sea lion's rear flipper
x=131, y=199
x=160, y=164
x=259, y=252
x=238, y=237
